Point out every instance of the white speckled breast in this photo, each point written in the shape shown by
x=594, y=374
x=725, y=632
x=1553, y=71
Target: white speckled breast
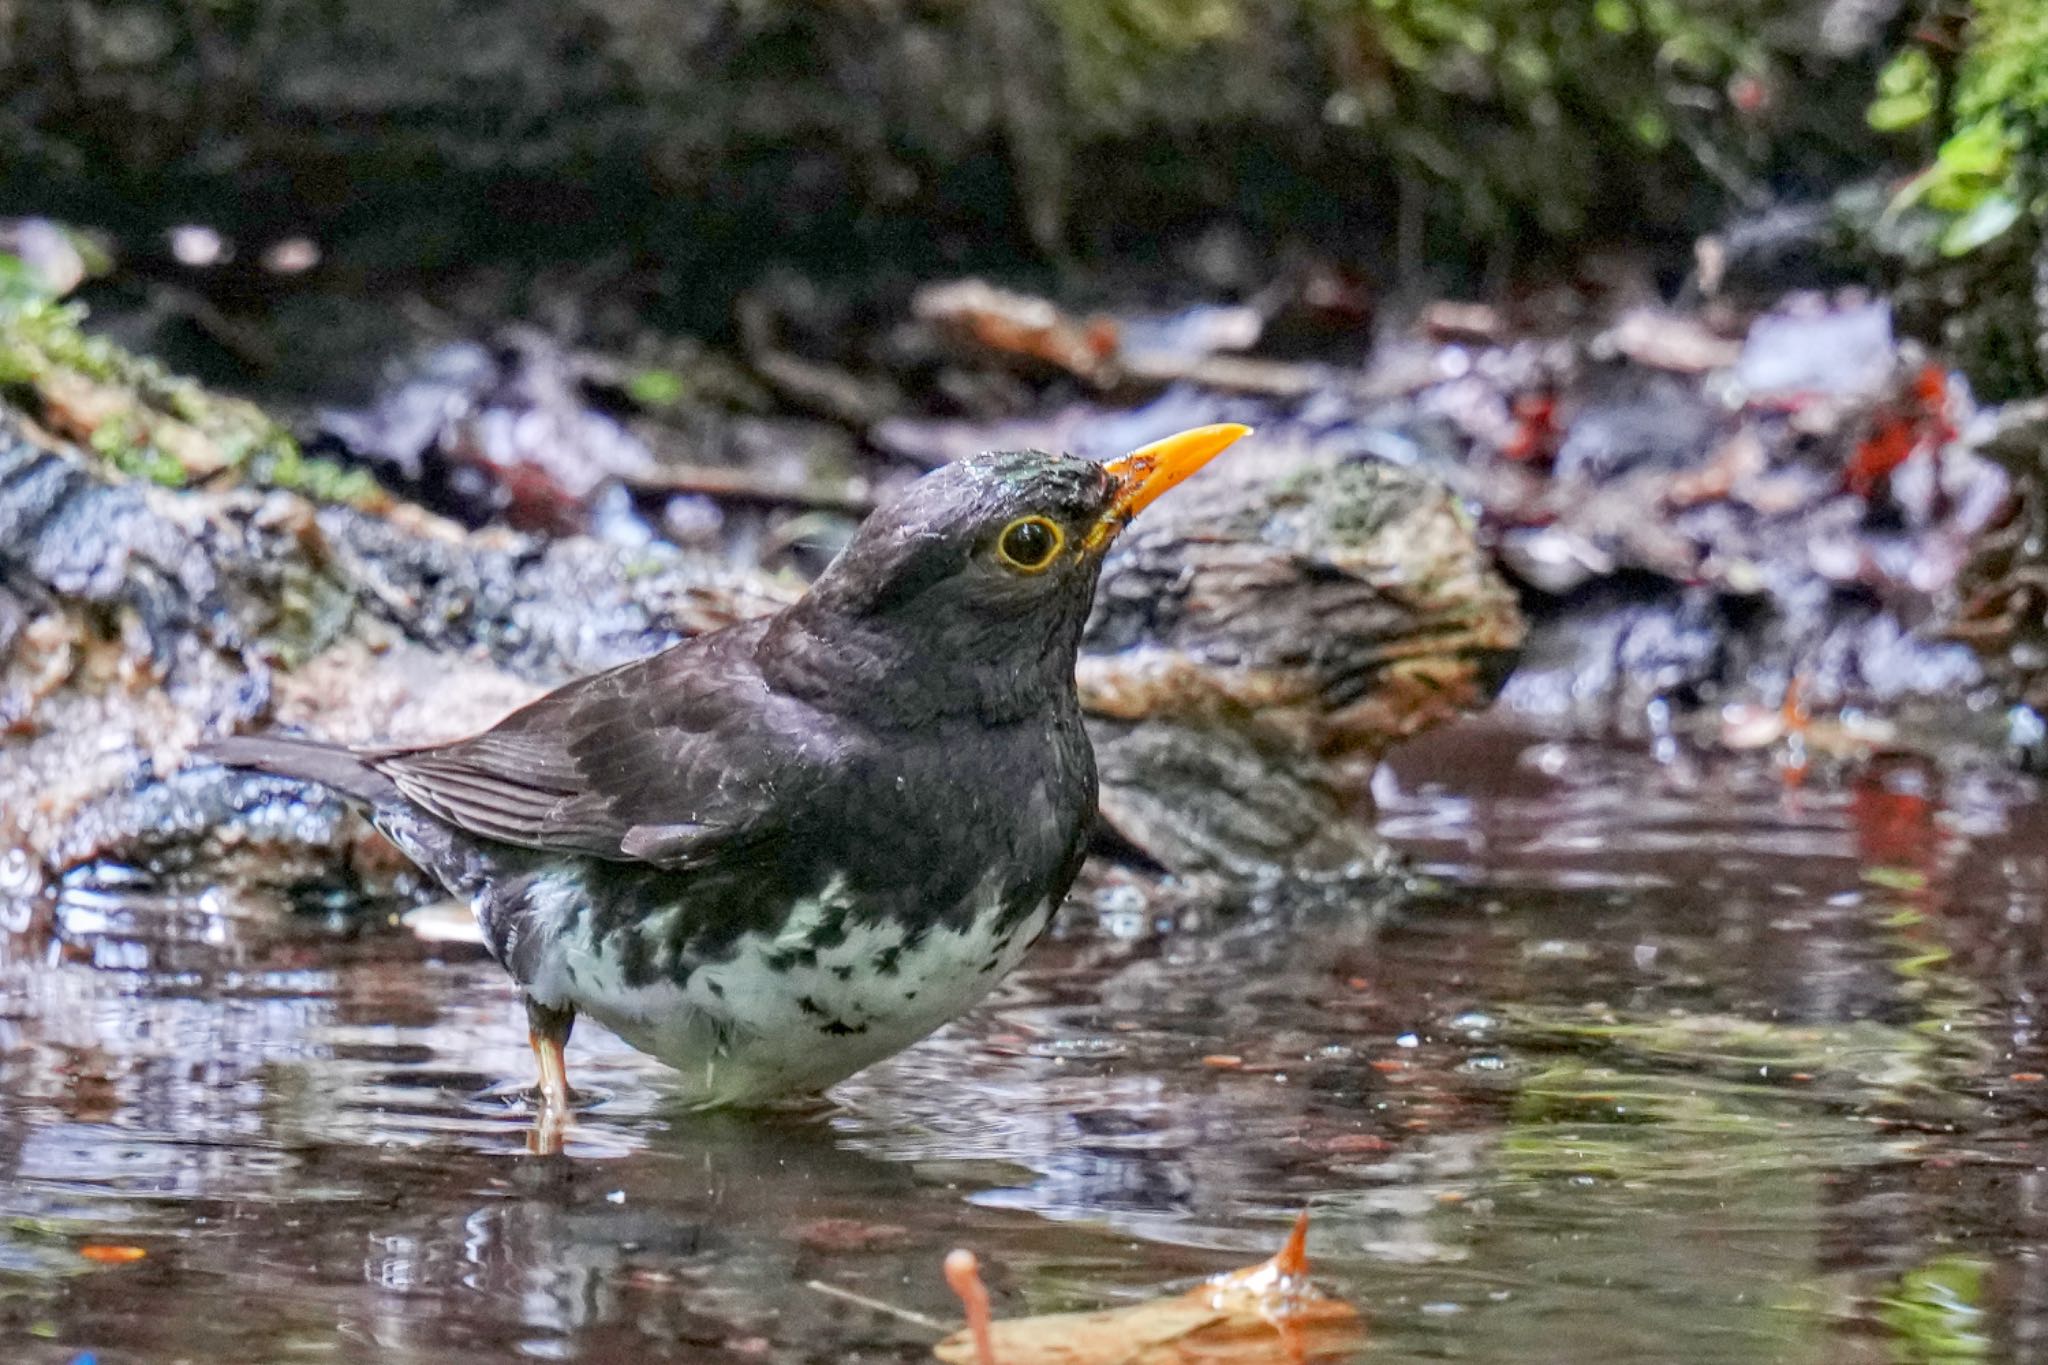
x=758, y=1026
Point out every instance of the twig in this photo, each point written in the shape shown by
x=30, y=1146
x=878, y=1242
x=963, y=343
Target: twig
x=930, y=1324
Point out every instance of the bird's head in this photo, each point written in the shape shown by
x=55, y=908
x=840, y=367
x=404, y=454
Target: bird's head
x=979, y=576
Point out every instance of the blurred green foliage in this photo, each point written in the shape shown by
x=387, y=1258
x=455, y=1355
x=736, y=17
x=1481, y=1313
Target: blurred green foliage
x=1988, y=175
x=1537, y=92
x=1935, y=1314
x=1518, y=108
x=431, y=137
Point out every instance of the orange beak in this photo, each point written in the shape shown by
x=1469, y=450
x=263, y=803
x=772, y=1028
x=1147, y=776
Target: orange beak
x=1145, y=473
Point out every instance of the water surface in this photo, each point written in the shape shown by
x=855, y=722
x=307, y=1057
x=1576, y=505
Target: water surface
x=1654, y=1062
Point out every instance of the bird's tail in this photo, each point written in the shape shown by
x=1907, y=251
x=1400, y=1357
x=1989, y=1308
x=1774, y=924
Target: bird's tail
x=448, y=853
x=308, y=760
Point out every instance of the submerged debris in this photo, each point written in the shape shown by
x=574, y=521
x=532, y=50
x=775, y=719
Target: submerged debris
x=1264, y=1312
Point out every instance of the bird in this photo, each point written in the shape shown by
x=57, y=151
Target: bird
x=775, y=853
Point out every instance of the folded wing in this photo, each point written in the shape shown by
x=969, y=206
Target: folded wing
x=676, y=760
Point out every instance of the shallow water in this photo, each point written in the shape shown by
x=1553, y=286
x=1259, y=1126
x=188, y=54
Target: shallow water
x=1657, y=1062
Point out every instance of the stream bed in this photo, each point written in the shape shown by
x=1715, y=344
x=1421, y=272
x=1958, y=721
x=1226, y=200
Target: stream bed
x=1659, y=1057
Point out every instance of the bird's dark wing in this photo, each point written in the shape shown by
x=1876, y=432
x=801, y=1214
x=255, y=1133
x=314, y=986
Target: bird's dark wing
x=673, y=760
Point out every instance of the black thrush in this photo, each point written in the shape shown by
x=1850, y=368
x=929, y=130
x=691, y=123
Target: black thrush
x=776, y=853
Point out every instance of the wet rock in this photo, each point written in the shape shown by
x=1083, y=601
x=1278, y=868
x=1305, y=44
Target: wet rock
x=1633, y=417
x=2003, y=613
x=1841, y=353
x=1265, y=639
x=156, y=618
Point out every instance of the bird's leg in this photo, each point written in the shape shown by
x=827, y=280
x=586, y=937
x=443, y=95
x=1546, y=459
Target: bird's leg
x=547, y=1028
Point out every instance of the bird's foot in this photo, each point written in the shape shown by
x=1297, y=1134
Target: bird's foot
x=548, y=1032
x=550, y=1128
x=552, y=1092
x=553, y=1113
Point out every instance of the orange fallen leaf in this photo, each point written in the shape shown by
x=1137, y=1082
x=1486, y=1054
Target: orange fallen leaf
x=1268, y=1312
x=101, y=1253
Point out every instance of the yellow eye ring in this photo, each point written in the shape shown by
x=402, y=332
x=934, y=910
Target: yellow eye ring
x=1030, y=544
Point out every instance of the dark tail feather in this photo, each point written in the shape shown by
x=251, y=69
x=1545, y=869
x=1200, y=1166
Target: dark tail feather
x=308, y=760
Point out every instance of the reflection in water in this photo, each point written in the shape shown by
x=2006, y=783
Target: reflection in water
x=1656, y=1062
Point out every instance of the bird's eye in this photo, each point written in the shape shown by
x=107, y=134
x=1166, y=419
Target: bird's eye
x=1029, y=543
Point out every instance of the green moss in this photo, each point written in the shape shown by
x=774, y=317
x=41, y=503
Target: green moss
x=145, y=421
x=124, y=444
x=1115, y=49
x=1908, y=92
x=1935, y=1314
x=2004, y=74
x=661, y=389
x=1967, y=234
x=313, y=610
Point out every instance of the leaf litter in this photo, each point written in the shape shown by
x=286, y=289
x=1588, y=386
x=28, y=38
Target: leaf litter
x=1269, y=1312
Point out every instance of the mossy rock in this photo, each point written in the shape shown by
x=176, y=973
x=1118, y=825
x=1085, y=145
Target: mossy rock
x=141, y=419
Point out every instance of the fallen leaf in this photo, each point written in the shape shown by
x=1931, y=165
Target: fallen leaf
x=1269, y=1312
x=1021, y=327
x=102, y=1254
x=1469, y=323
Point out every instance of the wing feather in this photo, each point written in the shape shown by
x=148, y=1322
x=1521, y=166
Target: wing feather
x=675, y=761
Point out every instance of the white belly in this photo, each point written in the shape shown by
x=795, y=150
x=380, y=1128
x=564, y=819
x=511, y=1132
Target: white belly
x=743, y=1031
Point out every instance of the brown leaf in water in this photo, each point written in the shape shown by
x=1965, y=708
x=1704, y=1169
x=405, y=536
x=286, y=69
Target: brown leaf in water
x=1268, y=1312
x=99, y=1253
